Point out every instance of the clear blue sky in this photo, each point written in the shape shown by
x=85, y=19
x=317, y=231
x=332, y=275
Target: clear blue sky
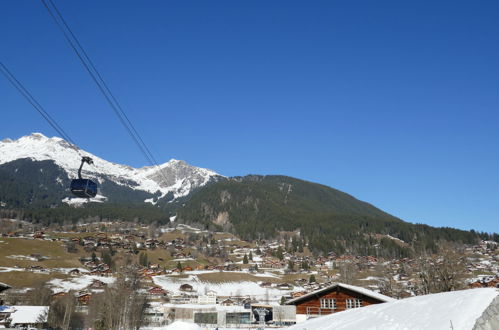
x=395, y=102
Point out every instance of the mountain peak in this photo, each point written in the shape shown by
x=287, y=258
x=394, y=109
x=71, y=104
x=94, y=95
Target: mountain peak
x=174, y=176
x=36, y=136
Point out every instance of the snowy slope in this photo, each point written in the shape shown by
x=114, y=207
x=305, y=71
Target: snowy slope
x=435, y=312
x=177, y=176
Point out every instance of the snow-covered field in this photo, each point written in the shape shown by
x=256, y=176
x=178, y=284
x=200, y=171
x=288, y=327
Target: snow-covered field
x=77, y=283
x=458, y=310
x=243, y=288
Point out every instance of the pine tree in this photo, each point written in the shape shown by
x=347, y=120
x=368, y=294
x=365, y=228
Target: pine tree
x=279, y=253
x=312, y=279
x=179, y=266
x=245, y=259
x=251, y=256
x=143, y=260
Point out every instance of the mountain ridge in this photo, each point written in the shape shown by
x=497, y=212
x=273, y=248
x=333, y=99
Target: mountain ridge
x=177, y=178
x=253, y=207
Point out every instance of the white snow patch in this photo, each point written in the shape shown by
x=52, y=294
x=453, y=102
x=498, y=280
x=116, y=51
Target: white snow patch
x=78, y=283
x=179, y=325
x=11, y=269
x=21, y=257
x=76, y=201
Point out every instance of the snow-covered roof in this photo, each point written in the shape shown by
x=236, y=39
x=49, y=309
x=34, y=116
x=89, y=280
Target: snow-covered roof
x=458, y=310
x=354, y=288
x=29, y=314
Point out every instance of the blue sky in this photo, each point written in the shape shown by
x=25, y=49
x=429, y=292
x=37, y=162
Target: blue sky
x=394, y=102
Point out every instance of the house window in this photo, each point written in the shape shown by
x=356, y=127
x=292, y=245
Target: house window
x=328, y=303
x=354, y=303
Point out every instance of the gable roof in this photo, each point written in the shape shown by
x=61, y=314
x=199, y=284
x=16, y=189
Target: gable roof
x=461, y=309
x=354, y=288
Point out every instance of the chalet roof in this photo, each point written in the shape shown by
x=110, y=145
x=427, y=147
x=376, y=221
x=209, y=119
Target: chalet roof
x=467, y=309
x=354, y=288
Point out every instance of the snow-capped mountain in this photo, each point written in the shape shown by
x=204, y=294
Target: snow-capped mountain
x=175, y=178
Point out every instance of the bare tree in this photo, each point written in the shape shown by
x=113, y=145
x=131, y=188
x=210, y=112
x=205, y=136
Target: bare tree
x=347, y=272
x=61, y=311
x=41, y=295
x=120, y=306
x=442, y=272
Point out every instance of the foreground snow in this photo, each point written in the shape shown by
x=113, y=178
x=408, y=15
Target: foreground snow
x=458, y=310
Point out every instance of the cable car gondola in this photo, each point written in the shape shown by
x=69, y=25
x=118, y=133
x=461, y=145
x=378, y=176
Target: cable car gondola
x=83, y=188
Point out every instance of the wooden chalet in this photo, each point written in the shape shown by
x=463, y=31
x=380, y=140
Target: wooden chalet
x=96, y=284
x=334, y=298
x=157, y=291
x=228, y=302
x=59, y=294
x=74, y=271
x=186, y=288
x=84, y=298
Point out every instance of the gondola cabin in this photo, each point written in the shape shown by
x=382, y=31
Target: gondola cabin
x=83, y=188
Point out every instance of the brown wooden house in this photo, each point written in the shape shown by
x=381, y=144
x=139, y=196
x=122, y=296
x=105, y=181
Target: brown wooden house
x=334, y=298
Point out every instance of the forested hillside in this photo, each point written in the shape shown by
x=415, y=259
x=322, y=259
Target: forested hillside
x=328, y=220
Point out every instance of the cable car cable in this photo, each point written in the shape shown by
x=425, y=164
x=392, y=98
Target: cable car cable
x=80, y=187
x=84, y=54
x=29, y=97
x=97, y=78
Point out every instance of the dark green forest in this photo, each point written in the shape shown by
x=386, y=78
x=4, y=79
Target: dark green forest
x=256, y=207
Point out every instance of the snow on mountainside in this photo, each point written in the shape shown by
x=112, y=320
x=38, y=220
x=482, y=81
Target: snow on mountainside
x=178, y=177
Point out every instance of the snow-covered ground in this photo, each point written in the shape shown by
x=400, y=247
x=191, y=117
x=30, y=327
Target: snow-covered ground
x=458, y=310
x=22, y=257
x=11, y=269
x=77, y=283
x=243, y=289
